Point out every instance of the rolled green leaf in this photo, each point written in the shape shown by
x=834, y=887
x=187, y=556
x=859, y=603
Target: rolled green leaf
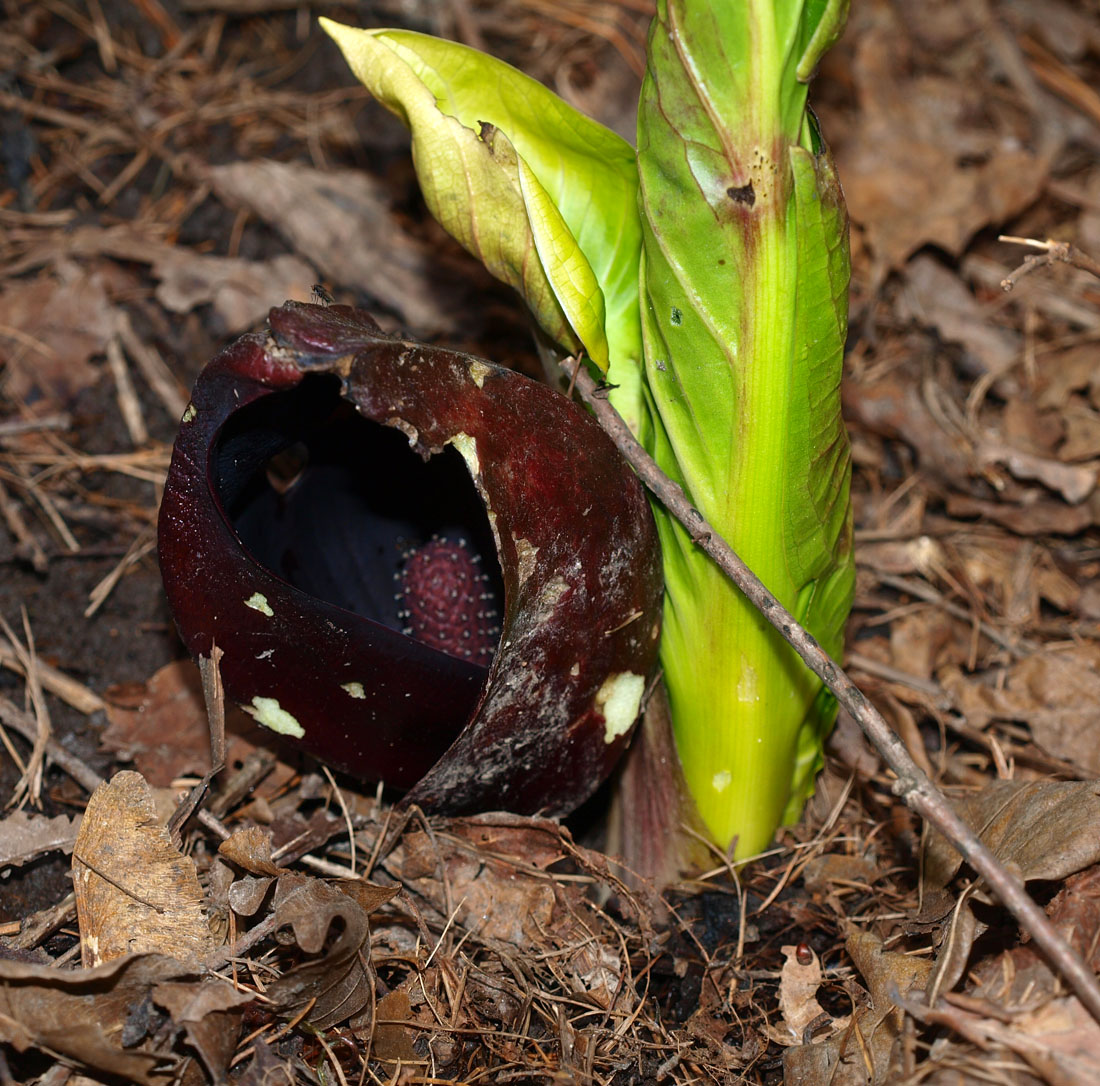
x=545, y=197
x=745, y=276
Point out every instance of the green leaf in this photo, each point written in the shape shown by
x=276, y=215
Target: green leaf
x=544, y=196
x=745, y=277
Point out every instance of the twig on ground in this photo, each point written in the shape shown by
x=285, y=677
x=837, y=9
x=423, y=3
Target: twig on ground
x=912, y=786
x=29, y=785
x=73, y=693
x=11, y=716
x=1052, y=251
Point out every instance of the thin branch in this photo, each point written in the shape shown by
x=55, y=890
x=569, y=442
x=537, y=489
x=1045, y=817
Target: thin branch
x=912, y=786
x=1052, y=251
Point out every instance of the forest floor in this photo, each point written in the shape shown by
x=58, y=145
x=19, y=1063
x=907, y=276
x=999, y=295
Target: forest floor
x=171, y=169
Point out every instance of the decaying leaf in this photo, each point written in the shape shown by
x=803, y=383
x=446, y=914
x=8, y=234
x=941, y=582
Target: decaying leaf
x=1054, y=692
x=79, y=1016
x=936, y=296
x=917, y=169
x=209, y=1010
x=337, y=984
x=866, y=1052
x=49, y=329
x=391, y=1041
x=24, y=836
x=162, y=726
x=250, y=848
x=1074, y=482
x=241, y=291
x=486, y=873
x=799, y=981
x=135, y=891
x=342, y=221
x=1043, y=829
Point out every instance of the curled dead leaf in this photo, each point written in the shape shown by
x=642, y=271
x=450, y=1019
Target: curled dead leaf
x=135, y=891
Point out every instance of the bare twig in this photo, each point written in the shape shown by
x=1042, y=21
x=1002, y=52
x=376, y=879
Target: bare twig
x=29, y=785
x=1052, y=251
x=11, y=716
x=56, y=682
x=912, y=786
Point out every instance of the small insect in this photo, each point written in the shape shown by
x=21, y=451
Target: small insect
x=445, y=600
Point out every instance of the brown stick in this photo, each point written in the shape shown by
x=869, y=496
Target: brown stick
x=912, y=786
x=1051, y=251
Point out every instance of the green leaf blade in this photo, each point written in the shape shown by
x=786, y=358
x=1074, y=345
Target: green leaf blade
x=544, y=196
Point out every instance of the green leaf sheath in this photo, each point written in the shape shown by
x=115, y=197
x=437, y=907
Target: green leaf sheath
x=744, y=310
x=544, y=196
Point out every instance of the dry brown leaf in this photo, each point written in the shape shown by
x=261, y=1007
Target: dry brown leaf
x=1060, y=1041
x=1038, y=517
x=1064, y=372
x=798, y=984
x=85, y=1016
x=210, y=1013
x=492, y=867
x=923, y=165
x=391, y=1040
x=1043, y=829
x=1075, y=482
x=340, y=220
x=50, y=327
x=1025, y=426
x=822, y=873
x=1054, y=692
x=241, y=291
x=250, y=848
x=921, y=555
x=1064, y=688
x=135, y=891
x=337, y=985
x=936, y=296
x=246, y=895
x=266, y=1069
x=894, y=407
x=24, y=836
x=1082, y=432
x=162, y=725
x=917, y=640
x=867, y=1050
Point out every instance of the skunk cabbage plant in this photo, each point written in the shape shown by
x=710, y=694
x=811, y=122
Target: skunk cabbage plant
x=706, y=274
x=472, y=619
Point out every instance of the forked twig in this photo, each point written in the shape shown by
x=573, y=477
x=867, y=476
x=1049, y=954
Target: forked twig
x=912, y=786
x=1051, y=251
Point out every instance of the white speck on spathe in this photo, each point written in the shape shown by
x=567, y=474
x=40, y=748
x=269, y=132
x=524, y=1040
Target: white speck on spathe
x=354, y=690
x=467, y=446
x=721, y=780
x=269, y=713
x=747, y=691
x=479, y=371
x=258, y=602
x=618, y=700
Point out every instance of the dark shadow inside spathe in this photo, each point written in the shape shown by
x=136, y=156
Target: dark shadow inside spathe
x=340, y=507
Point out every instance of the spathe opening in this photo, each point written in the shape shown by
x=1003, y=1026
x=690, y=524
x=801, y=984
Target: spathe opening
x=343, y=509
